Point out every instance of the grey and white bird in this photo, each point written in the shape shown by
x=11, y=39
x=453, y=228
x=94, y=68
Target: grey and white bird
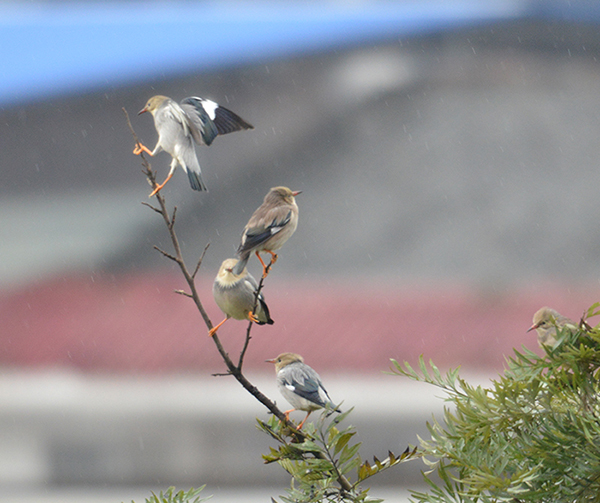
x=545, y=323
x=269, y=227
x=235, y=294
x=179, y=126
x=300, y=385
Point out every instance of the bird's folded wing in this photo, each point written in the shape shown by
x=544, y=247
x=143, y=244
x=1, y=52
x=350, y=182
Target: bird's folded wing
x=303, y=384
x=251, y=282
x=275, y=220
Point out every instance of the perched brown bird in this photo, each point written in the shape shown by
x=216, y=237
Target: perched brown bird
x=300, y=385
x=179, y=126
x=235, y=294
x=545, y=323
x=269, y=227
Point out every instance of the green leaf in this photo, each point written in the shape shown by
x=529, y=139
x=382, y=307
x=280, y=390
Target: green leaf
x=349, y=452
x=342, y=441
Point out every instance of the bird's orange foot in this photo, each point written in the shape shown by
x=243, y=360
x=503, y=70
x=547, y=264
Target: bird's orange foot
x=213, y=330
x=267, y=267
x=139, y=148
x=159, y=187
x=252, y=317
x=304, y=420
x=156, y=190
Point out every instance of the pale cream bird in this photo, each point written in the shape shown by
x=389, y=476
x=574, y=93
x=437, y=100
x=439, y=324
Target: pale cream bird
x=179, y=126
x=545, y=323
x=269, y=227
x=235, y=294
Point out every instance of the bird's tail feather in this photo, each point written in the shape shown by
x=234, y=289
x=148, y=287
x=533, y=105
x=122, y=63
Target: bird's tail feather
x=239, y=267
x=196, y=181
x=331, y=407
x=264, y=311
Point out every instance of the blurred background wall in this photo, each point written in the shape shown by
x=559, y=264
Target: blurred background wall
x=447, y=153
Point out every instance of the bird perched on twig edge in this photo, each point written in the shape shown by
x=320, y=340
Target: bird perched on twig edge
x=545, y=323
x=179, y=126
x=235, y=294
x=269, y=227
x=300, y=385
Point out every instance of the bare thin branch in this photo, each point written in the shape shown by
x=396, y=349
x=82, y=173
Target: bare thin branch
x=147, y=168
x=232, y=369
x=172, y=223
x=245, y=347
x=249, y=329
x=200, y=261
x=168, y=255
x=135, y=137
x=151, y=207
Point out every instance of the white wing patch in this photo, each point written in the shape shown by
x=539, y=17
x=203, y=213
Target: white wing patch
x=210, y=107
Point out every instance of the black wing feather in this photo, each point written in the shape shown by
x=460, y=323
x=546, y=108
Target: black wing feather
x=227, y=121
x=258, y=236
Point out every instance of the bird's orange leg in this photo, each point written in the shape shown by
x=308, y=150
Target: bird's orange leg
x=261, y=260
x=252, y=317
x=159, y=187
x=267, y=268
x=213, y=330
x=273, y=256
x=304, y=420
x=287, y=414
x=139, y=148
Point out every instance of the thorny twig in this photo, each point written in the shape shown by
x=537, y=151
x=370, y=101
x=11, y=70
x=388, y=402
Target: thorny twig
x=232, y=369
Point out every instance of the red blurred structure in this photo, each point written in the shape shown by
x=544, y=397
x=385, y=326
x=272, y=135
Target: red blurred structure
x=138, y=324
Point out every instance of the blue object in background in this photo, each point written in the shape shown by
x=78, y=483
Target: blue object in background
x=51, y=49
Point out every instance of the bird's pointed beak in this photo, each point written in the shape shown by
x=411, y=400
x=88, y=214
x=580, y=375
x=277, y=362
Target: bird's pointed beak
x=533, y=327
x=272, y=360
x=143, y=110
x=296, y=193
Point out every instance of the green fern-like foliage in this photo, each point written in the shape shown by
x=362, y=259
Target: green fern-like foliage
x=323, y=461
x=172, y=495
x=533, y=435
